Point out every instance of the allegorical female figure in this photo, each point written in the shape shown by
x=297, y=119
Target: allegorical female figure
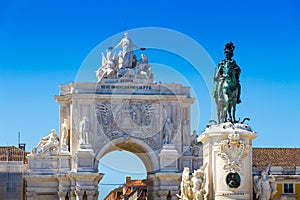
x=127, y=50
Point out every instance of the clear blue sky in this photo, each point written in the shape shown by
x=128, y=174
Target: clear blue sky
x=43, y=43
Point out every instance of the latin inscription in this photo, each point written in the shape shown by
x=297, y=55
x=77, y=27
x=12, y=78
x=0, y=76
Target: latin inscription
x=134, y=87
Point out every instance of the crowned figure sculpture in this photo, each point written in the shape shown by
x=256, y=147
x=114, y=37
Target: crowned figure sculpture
x=227, y=91
x=227, y=144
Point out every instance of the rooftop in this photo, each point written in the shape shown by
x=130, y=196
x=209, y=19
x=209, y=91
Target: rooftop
x=276, y=156
x=12, y=153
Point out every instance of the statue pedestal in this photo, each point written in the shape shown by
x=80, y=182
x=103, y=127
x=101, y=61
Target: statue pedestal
x=64, y=150
x=85, y=159
x=169, y=158
x=227, y=148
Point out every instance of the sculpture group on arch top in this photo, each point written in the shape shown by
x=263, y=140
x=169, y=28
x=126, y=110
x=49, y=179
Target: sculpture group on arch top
x=233, y=144
x=125, y=61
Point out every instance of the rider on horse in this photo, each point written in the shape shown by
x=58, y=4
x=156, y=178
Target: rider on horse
x=228, y=89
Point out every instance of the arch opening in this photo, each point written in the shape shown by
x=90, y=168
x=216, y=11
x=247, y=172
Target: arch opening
x=123, y=158
x=119, y=166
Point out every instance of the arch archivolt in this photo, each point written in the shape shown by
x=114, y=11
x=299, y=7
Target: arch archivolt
x=135, y=146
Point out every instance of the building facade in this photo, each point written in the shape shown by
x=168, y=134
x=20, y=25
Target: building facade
x=13, y=163
x=285, y=167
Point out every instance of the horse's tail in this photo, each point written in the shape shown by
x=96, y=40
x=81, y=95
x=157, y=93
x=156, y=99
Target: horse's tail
x=245, y=119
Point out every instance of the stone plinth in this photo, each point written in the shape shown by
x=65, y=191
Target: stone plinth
x=227, y=148
x=64, y=150
x=85, y=159
x=47, y=164
x=169, y=158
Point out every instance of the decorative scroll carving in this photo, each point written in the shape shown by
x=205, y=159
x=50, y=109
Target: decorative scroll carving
x=232, y=150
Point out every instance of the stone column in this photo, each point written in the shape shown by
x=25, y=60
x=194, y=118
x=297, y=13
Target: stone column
x=168, y=182
x=227, y=151
x=174, y=196
x=90, y=194
x=72, y=195
x=163, y=195
x=96, y=195
x=152, y=187
x=72, y=188
x=79, y=194
x=86, y=181
x=62, y=195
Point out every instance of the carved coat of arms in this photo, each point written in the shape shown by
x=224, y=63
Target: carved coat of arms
x=232, y=151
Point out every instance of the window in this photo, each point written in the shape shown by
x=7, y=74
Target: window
x=288, y=188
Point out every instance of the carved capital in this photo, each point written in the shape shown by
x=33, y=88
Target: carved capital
x=96, y=195
x=62, y=194
x=163, y=193
x=79, y=194
x=72, y=194
x=90, y=194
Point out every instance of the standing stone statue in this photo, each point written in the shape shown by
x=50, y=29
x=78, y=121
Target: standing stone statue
x=84, y=131
x=64, y=133
x=227, y=90
x=195, y=146
x=265, y=185
x=168, y=131
x=127, y=50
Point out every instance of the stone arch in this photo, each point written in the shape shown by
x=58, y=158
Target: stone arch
x=135, y=146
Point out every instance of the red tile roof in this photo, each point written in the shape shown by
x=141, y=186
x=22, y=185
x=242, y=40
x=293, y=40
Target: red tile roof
x=115, y=194
x=12, y=153
x=276, y=156
x=132, y=183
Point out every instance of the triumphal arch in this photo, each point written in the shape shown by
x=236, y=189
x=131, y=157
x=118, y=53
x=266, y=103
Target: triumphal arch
x=124, y=110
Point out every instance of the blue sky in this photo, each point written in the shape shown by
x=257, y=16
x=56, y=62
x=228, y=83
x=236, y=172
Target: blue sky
x=43, y=44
